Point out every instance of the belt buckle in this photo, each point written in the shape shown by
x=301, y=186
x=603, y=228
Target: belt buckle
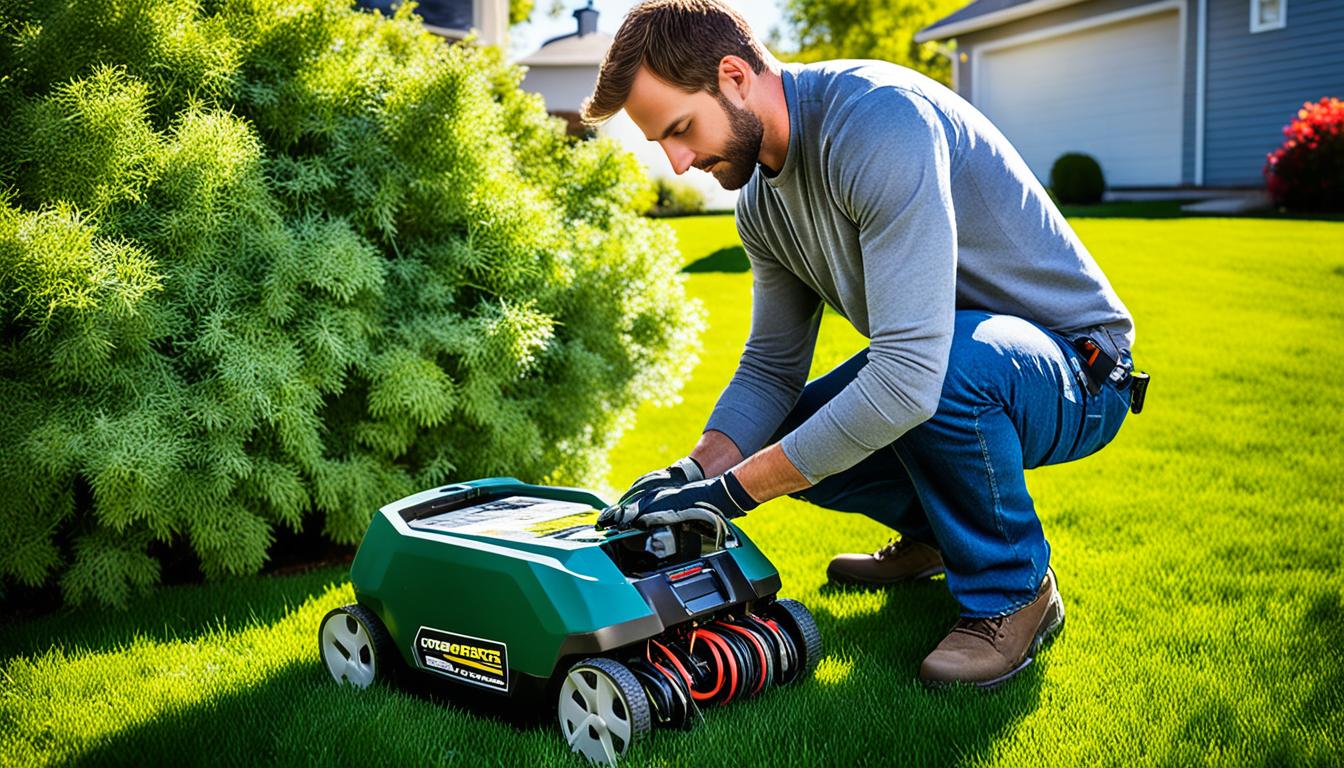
x=1122, y=374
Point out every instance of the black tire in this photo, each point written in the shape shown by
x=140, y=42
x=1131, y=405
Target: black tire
x=360, y=637
x=667, y=702
x=634, y=705
x=794, y=617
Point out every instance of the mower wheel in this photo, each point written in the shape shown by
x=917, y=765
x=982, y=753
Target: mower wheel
x=355, y=646
x=602, y=709
x=794, y=617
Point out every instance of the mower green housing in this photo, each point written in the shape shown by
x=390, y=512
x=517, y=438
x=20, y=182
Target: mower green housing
x=546, y=597
x=506, y=588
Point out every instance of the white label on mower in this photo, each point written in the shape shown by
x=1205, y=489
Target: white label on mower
x=463, y=657
x=515, y=517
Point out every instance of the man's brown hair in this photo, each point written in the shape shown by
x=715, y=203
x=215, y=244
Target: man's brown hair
x=681, y=42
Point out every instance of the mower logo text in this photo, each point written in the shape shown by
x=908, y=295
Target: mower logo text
x=464, y=658
x=487, y=655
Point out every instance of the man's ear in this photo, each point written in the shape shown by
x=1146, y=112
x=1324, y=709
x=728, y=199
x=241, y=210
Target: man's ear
x=736, y=78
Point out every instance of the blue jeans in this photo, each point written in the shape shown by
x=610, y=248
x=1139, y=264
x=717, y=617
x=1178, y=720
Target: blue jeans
x=1011, y=401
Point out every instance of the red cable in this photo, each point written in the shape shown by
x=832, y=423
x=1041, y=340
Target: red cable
x=714, y=639
x=760, y=651
x=718, y=669
x=779, y=638
x=682, y=670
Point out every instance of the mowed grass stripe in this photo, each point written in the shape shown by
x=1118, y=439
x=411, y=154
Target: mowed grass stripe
x=1198, y=555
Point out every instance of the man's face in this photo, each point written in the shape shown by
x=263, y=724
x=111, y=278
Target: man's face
x=697, y=129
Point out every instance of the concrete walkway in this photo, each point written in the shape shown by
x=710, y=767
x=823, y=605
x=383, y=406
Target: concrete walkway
x=1201, y=200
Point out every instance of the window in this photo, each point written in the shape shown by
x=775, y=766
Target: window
x=1268, y=14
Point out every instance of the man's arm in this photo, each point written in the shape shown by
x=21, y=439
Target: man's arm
x=785, y=317
x=716, y=452
x=889, y=166
x=891, y=169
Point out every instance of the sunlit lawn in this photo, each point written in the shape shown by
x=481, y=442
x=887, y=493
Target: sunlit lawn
x=1198, y=555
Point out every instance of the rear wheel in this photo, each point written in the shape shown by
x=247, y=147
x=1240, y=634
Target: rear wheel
x=602, y=709
x=794, y=618
x=355, y=646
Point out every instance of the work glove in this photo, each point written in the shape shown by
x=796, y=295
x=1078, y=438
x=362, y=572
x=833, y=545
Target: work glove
x=684, y=471
x=706, y=503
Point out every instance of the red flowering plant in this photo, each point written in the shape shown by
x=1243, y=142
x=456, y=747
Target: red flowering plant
x=1307, y=172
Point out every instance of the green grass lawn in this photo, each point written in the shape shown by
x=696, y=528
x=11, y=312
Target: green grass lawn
x=1198, y=555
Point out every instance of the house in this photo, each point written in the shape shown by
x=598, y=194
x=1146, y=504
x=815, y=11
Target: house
x=1163, y=93
x=455, y=19
x=564, y=70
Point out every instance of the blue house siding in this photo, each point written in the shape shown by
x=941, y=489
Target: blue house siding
x=1257, y=82
x=1254, y=83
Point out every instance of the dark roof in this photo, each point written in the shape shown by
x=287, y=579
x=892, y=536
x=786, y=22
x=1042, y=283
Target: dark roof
x=977, y=8
x=447, y=14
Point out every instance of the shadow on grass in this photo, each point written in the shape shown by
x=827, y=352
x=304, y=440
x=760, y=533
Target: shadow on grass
x=299, y=716
x=865, y=705
x=1171, y=209
x=876, y=714
x=957, y=725
x=1287, y=738
x=730, y=259
x=180, y=612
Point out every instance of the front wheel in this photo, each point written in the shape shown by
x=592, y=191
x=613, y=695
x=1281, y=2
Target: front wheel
x=602, y=709
x=355, y=646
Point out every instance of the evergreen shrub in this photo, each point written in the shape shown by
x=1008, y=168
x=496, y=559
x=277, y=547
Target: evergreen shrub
x=271, y=263
x=1076, y=179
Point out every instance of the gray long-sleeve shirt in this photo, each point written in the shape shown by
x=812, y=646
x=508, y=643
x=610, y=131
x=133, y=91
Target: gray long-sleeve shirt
x=898, y=203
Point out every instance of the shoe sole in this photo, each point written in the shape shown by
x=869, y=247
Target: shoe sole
x=1047, y=632
x=862, y=582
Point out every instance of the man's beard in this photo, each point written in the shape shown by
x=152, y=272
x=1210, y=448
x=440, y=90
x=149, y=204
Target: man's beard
x=738, y=160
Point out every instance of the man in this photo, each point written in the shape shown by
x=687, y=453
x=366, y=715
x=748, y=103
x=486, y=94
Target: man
x=996, y=343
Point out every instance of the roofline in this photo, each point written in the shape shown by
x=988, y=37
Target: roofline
x=977, y=23
x=559, y=37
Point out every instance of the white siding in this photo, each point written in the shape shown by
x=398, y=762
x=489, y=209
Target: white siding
x=564, y=88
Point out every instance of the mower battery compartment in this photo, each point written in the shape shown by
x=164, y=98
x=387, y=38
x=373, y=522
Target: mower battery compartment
x=701, y=587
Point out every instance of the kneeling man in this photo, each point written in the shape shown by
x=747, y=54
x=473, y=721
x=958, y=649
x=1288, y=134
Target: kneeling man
x=996, y=343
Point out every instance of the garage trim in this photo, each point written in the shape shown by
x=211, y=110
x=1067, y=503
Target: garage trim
x=1060, y=30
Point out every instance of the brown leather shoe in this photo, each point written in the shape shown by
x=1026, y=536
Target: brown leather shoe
x=986, y=652
x=898, y=561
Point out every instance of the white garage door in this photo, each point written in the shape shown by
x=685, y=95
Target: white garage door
x=1112, y=91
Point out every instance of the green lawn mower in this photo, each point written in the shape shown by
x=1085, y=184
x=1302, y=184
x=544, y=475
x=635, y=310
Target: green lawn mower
x=504, y=588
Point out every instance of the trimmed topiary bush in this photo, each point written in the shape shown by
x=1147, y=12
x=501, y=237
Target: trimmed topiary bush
x=267, y=262
x=676, y=198
x=1307, y=172
x=1076, y=179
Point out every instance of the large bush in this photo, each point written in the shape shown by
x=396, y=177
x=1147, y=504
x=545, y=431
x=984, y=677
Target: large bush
x=278, y=263
x=1076, y=179
x=1307, y=172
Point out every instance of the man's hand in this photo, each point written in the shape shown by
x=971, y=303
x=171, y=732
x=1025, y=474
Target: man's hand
x=685, y=471
x=703, y=501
